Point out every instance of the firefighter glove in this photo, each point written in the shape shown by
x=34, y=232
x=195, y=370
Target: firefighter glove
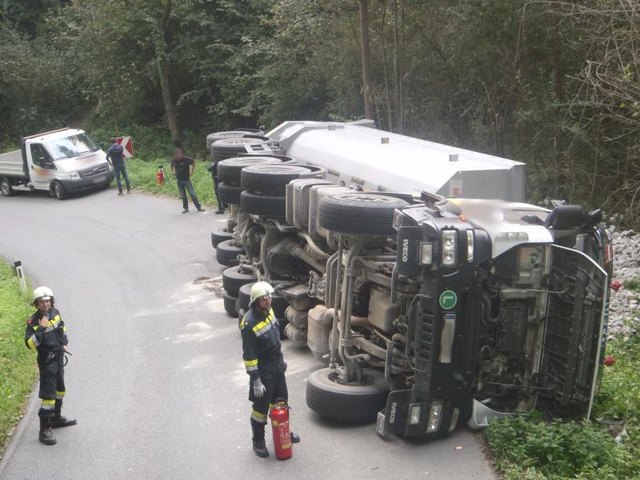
x=258, y=388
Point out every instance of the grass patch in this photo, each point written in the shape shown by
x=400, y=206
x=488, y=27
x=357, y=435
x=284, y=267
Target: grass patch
x=143, y=176
x=608, y=448
x=632, y=284
x=17, y=362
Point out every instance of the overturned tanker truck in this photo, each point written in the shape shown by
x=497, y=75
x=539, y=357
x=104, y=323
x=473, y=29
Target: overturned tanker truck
x=413, y=270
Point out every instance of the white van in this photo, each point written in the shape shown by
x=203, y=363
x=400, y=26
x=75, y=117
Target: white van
x=61, y=161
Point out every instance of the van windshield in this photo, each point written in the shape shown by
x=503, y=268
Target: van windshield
x=69, y=147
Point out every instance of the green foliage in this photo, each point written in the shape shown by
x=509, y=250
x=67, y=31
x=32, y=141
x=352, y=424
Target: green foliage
x=528, y=447
x=142, y=174
x=17, y=363
x=632, y=284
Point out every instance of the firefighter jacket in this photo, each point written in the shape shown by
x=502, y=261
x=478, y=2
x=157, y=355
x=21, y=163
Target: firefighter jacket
x=53, y=338
x=260, y=339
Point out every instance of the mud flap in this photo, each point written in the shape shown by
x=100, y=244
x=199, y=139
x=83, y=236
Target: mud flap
x=394, y=418
x=574, y=334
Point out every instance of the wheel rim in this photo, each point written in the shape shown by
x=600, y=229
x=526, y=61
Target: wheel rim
x=5, y=187
x=57, y=191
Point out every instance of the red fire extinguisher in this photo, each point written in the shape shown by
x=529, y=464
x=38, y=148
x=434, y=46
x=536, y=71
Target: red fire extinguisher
x=160, y=175
x=280, y=425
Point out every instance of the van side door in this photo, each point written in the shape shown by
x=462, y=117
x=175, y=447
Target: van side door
x=41, y=166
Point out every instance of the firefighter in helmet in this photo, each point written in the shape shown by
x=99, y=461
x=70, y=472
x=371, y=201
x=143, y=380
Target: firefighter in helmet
x=263, y=361
x=46, y=333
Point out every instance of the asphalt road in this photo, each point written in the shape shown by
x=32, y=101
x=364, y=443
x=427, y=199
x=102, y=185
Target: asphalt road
x=156, y=380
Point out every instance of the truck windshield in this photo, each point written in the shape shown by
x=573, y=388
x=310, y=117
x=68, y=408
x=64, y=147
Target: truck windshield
x=70, y=147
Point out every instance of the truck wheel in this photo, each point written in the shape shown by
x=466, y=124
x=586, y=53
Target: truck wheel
x=244, y=296
x=351, y=403
x=219, y=235
x=5, y=187
x=58, y=190
x=230, y=305
x=229, y=170
x=231, y=147
x=214, y=137
x=271, y=179
x=229, y=194
x=233, y=279
x=227, y=253
x=359, y=213
x=267, y=206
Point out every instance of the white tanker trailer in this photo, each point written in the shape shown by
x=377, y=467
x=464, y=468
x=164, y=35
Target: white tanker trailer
x=427, y=311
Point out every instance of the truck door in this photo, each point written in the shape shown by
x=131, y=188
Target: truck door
x=575, y=333
x=41, y=166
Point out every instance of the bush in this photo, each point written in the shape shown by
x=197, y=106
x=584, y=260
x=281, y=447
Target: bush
x=606, y=448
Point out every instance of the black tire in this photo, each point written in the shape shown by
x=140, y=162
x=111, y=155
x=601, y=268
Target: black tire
x=264, y=205
x=214, y=137
x=219, y=235
x=229, y=194
x=230, y=304
x=229, y=169
x=351, y=403
x=233, y=279
x=5, y=187
x=244, y=296
x=227, y=253
x=58, y=190
x=359, y=213
x=271, y=179
x=231, y=147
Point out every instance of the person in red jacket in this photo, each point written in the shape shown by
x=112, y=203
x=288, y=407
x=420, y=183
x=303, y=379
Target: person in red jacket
x=46, y=333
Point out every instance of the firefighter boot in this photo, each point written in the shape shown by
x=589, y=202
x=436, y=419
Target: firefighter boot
x=46, y=435
x=258, y=439
x=58, y=420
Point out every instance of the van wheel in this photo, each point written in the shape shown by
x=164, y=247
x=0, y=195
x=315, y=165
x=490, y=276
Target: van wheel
x=58, y=190
x=5, y=187
x=351, y=403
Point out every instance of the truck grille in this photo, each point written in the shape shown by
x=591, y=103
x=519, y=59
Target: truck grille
x=93, y=171
x=573, y=329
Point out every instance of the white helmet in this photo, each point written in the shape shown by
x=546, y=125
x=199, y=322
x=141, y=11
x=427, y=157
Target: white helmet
x=42, y=292
x=258, y=290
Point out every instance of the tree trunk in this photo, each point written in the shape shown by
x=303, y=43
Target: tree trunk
x=167, y=98
x=162, y=54
x=366, y=70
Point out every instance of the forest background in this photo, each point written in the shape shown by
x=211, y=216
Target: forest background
x=550, y=83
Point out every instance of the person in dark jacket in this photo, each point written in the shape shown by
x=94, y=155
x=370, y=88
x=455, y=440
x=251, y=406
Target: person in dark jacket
x=182, y=167
x=213, y=169
x=263, y=361
x=46, y=333
x=115, y=156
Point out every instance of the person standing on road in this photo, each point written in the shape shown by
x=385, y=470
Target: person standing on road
x=263, y=361
x=182, y=167
x=115, y=156
x=213, y=168
x=46, y=334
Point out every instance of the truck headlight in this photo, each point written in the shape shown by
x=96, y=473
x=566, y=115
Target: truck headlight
x=74, y=174
x=435, y=417
x=426, y=253
x=449, y=247
x=470, y=245
x=414, y=414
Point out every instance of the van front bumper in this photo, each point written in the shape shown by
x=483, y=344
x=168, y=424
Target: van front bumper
x=82, y=184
